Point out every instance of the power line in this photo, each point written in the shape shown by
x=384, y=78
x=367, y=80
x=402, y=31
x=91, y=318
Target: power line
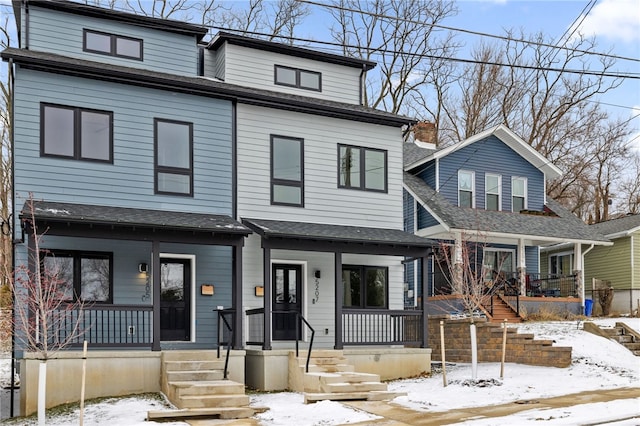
x=444, y=58
x=505, y=38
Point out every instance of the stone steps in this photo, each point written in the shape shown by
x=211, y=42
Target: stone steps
x=193, y=382
x=330, y=377
x=620, y=333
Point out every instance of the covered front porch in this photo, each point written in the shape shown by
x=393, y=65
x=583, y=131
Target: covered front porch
x=350, y=298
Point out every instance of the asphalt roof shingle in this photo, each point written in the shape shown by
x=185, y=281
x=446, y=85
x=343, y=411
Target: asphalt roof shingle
x=615, y=226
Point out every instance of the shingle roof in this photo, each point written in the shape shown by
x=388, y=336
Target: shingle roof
x=316, y=231
x=170, y=25
x=628, y=223
x=122, y=216
x=564, y=227
x=412, y=153
x=51, y=62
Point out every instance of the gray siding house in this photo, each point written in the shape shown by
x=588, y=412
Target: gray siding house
x=487, y=194
x=177, y=184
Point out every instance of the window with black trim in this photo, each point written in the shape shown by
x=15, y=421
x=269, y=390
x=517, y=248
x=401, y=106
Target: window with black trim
x=362, y=168
x=287, y=171
x=173, y=157
x=112, y=44
x=76, y=133
x=365, y=286
x=296, y=77
x=86, y=276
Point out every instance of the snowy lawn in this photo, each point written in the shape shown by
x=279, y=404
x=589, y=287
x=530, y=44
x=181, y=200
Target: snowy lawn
x=597, y=364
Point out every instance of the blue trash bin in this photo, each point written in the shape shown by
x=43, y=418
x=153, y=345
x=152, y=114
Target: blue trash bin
x=588, y=307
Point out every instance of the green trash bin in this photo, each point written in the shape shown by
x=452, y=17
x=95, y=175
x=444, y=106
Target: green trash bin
x=588, y=307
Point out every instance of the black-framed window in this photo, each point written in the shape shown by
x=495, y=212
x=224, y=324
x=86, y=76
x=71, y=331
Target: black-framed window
x=112, y=44
x=76, y=133
x=173, y=157
x=296, y=77
x=365, y=286
x=287, y=171
x=362, y=168
x=86, y=276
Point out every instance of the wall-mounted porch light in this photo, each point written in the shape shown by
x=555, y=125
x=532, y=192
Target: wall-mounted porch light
x=143, y=267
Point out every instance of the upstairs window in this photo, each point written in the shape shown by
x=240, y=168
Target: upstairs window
x=287, y=171
x=173, y=157
x=295, y=77
x=85, y=276
x=519, y=194
x=466, y=188
x=76, y=133
x=364, y=286
x=493, y=189
x=112, y=44
x=362, y=168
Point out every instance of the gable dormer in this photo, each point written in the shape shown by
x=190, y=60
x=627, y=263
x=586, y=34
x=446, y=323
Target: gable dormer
x=288, y=69
x=105, y=35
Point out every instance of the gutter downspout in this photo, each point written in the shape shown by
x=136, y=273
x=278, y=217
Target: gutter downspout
x=582, y=295
x=362, y=74
x=26, y=25
x=13, y=240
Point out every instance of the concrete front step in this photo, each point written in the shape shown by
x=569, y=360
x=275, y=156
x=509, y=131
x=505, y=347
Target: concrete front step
x=368, y=396
x=353, y=387
x=191, y=365
x=212, y=401
x=190, y=355
x=213, y=387
x=203, y=413
x=339, y=368
x=195, y=375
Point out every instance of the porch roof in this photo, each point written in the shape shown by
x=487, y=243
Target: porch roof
x=57, y=213
x=560, y=225
x=349, y=239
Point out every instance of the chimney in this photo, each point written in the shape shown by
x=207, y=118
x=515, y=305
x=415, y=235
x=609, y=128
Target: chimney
x=425, y=132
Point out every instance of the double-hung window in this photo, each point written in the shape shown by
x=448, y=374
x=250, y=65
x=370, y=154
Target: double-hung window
x=173, y=157
x=498, y=263
x=493, y=189
x=362, y=168
x=518, y=194
x=76, y=133
x=287, y=171
x=295, y=77
x=466, y=188
x=112, y=44
x=85, y=276
x=365, y=286
x=561, y=264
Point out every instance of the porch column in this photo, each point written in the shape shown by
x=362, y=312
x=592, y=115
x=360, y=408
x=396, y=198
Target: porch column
x=577, y=270
x=155, y=278
x=266, y=262
x=339, y=299
x=236, y=296
x=425, y=314
x=457, y=264
x=521, y=269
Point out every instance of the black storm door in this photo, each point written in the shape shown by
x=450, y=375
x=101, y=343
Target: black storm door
x=175, y=315
x=287, y=292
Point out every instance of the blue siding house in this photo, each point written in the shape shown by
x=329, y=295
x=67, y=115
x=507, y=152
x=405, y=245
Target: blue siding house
x=485, y=198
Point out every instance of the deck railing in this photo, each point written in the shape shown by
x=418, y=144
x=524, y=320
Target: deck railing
x=105, y=326
x=381, y=327
x=552, y=285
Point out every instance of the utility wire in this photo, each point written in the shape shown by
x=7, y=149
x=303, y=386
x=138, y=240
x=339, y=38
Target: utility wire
x=410, y=21
x=446, y=58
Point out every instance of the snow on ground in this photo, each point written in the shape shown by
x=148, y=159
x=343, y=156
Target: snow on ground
x=597, y=363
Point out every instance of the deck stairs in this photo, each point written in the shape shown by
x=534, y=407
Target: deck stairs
x=620, y=332
x=501, y=311
x=193, y=381
x=330, y=377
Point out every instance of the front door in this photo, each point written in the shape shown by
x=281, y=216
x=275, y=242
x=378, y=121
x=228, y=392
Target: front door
x=175, y=314
x=287, y=285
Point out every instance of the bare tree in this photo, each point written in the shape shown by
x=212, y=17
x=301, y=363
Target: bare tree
x=630, y=186
x=6, y=162
x=399, y=36
x=47, y=315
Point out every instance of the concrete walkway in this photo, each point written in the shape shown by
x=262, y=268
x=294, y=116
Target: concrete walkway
x=397, y=415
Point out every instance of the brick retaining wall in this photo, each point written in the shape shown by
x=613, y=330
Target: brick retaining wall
x=521, y=348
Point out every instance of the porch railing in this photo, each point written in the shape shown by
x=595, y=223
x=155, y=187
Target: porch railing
x=105, y=326
x=225, y=334
x=381, y=327
x=552, y=285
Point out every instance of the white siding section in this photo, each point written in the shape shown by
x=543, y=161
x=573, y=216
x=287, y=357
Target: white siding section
x=62, y=33
x=324, y=201
x=255, y=68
